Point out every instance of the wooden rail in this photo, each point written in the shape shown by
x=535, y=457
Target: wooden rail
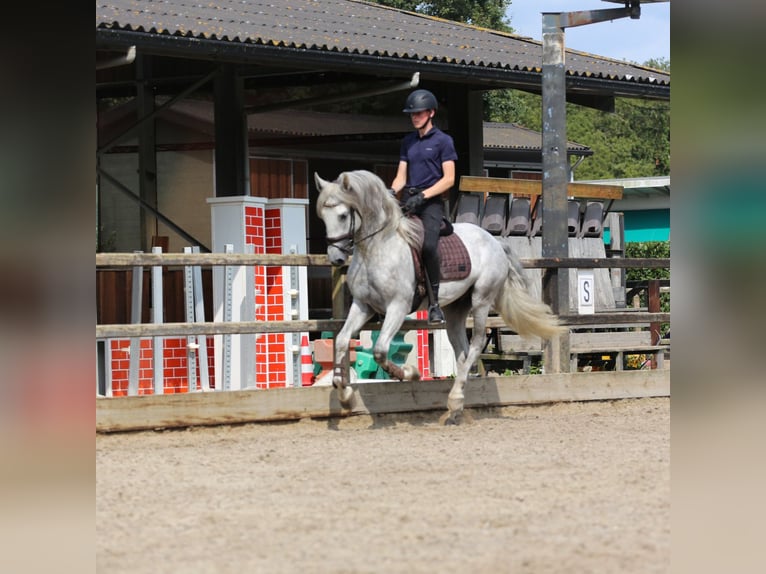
x=208, y=259
x=534, y=187
x=249, y=327
x=216, y=259
x=106, y=260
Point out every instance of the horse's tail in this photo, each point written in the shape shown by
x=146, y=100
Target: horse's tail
x=521, y=311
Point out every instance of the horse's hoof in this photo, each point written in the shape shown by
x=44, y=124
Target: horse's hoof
x=451, y=419
x=455, y=405
x=411, y=373
x=345, y=396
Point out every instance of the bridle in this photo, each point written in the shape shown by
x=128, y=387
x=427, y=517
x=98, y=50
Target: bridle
x=348, y=237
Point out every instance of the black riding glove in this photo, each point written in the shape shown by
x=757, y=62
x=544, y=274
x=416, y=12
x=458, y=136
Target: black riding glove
x=414, y=202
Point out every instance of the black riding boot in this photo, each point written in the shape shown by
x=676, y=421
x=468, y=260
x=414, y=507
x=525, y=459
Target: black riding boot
x=435, y=315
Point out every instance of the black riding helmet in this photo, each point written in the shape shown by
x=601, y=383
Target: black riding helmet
x=419, y=101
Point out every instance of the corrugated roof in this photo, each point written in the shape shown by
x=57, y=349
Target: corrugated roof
x=352, y=27
x=303, y=123
x=513, y=136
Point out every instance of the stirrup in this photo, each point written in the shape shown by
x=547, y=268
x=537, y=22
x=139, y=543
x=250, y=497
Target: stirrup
x=435, y=315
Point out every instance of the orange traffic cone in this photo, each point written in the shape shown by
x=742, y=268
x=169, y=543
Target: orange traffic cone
x=307, y=365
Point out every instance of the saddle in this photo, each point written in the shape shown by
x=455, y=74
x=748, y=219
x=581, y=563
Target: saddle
x=454, y=261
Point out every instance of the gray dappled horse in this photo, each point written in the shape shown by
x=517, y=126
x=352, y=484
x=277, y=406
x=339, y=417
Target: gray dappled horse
x=362, y=218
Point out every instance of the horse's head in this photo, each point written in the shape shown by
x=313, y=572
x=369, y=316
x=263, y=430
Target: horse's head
x=356, y=208
x=340, y=217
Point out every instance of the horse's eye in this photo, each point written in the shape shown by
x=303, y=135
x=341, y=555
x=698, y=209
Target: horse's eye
x=343, y=216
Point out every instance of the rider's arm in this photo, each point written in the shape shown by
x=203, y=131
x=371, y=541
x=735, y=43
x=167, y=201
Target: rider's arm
x=401, y=178
x=445, y=183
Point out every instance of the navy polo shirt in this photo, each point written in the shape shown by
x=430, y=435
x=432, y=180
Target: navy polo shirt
x=424, y=156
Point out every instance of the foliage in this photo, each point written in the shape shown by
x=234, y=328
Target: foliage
x=634, y=141
x=647, y=250
x=658, y=64
x=637, y=361
x=485, y=13
x=650, y=250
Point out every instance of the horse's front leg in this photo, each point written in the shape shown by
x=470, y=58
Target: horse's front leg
x=358, y=315
x=395, y=314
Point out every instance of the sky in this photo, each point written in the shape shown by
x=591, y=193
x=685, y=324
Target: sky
x=623, y=39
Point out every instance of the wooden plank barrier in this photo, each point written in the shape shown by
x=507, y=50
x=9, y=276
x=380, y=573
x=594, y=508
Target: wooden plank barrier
x=204, y=408
x=250, y=406
x=534, y=187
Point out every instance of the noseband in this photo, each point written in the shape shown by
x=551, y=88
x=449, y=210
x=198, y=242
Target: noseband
x=348, y=237
x=348, y=248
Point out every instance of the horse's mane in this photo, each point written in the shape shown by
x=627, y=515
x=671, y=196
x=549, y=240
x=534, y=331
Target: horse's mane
x=364, y=191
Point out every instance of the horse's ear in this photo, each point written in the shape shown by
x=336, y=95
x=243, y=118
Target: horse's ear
x=320, y=183
x=344, y=182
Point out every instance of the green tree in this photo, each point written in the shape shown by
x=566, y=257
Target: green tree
x=633, y=141
x=484, y=13
x=658, y=64
x=650, y=250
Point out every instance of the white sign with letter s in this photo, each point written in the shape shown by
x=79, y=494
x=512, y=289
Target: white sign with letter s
x=586, y=292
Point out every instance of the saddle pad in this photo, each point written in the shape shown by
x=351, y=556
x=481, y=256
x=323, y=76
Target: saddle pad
x=453, y=256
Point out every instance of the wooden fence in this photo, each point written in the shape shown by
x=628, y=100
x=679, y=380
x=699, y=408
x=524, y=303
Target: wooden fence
x=153, y=411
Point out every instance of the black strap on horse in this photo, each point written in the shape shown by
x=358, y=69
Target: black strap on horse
x=348, y=249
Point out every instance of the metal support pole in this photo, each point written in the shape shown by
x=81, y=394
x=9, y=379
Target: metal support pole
x=191, y=340
x=555, y=240
x=135, y=318
x=199, y=317
x=158, y=359
x=228, y=286
x=555, y=164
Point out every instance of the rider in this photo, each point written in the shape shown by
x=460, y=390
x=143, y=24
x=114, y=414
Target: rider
x=426, y=171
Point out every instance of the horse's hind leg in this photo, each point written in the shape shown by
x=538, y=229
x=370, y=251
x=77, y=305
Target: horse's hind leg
x=466, y=355
x=456, y=315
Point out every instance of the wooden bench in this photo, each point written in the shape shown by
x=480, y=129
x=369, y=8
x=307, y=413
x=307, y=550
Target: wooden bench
x=616, y=344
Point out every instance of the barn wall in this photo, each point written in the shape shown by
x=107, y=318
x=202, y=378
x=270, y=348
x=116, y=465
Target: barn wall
x=119, y=215
x=185, y=182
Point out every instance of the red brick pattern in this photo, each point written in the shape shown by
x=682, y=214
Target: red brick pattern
x=174, y=365
x=263, y=230
x=270, y=359
x=424, y=364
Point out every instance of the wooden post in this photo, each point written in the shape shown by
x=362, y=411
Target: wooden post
x=653, y=296
x=340, y=310
x=147, y=156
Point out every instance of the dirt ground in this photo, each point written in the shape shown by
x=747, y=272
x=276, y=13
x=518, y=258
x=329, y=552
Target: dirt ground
x=569, y=488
